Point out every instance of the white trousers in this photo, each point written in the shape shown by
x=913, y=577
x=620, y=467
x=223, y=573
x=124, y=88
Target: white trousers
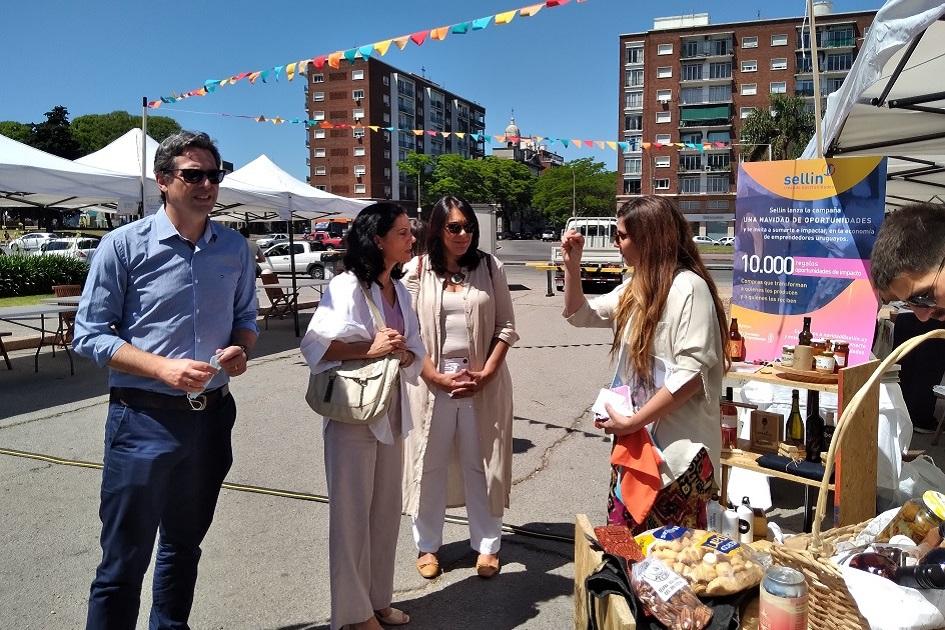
x=363, y=520
x=454, y=421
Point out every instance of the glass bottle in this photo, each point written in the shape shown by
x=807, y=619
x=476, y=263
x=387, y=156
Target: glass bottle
x=729, y=417
x=814, y=428
x=795, y=423
x=830, y=426
x=736, y=343
x=804, y=338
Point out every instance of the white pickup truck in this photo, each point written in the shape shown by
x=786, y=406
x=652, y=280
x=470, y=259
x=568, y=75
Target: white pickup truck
x=601, y=263
x=317, y=263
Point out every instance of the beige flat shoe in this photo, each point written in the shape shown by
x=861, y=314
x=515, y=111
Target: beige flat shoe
x=392, y=617
x=487, y=566
x=428, y=565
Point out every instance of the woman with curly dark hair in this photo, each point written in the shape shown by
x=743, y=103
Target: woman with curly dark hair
x=363, y=462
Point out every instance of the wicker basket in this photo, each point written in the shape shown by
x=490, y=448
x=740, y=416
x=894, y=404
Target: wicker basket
x=831, y=607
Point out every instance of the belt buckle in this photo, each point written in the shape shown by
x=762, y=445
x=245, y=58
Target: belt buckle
x=198, y=402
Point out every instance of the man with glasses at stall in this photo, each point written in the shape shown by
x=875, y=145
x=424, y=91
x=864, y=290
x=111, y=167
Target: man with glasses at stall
x=906, y=267
x=170, y=307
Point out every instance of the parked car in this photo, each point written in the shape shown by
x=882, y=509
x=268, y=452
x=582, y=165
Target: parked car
x=30, y=242
x=327, y=241
x=728, y=241
x=704, y=240
x=309, y=258
x=80, y=248
x=549, y=235
x=269, y=240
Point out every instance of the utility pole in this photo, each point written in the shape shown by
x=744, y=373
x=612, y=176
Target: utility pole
x=419, y=207
x=573, y=193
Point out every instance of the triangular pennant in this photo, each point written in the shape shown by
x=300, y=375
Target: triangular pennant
x=530, y=11
x=366, y=51
x=319, y=61
x=417, y=132
x=476, y=136
x=461, y=29
x=538, y=139
x=646, y=145
x=277, y=71
x=168, y=99
x=589, y=143
x=325, y=125
x=718, y=145
x=211, y=84
x=600, y=144
x=261, y=119
x=460, y=134
x=302, y=67
x=565, y=142
x=432, y=133
x=612, y=145
x=264, y=75
x=295, y=121
x=351, y=54
x=342, y=126
x=624, y=146
x=555, y=3
x=290, y=71
x=513, y=139
x=445, y=134
x=374, y=128
x=656, y=145
x=499, y=138
x=481, y=23
x=418, y=37
x=402, y=41
x=439, y=34
x=334, y=59
x=156, y=104
x=390, y=129
x=577, y=143
x=381, y=47
x=277, y=121
x=504, y=18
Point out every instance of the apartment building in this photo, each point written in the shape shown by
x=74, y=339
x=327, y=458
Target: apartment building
x=355, y=161
x=689, y=81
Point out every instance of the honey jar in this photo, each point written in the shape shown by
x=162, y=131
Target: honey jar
x=916, y=518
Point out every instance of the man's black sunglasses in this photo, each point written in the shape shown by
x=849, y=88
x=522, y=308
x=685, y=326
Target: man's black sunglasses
x=456, y=228
x=926, y=299
x=196, y=175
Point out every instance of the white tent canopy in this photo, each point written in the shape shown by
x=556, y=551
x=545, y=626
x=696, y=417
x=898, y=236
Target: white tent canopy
x=915, y=179
x=295, y=197
x=30, y=177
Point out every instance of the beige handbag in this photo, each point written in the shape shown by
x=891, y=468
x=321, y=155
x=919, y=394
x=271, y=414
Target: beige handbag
x=359, y=390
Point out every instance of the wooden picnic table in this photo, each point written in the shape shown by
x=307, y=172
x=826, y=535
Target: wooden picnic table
x=21, y=315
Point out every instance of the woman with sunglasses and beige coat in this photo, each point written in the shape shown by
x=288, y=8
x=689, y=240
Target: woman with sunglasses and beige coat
x=460, y=451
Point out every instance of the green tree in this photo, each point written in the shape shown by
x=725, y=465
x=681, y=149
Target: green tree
x=455, y=175
x=55, y=136
x=418, y=167
x=508, y=184
x=583, y=187
x=94, y=131
x=788, y=129
x=16, y=130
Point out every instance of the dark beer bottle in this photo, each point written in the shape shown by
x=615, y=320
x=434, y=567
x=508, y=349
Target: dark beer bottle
x=804, y=338
x=814, y=428
x=736, y=343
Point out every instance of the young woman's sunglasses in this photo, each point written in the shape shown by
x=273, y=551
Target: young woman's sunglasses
x=196, y=175
x=456, y=228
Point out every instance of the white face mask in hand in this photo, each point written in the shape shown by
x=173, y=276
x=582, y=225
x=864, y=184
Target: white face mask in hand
x=199, y=405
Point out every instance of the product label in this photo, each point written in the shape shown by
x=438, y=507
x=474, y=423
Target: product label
x=841, y=360
x=935, y=502
x=736, y=348
x=665, y=582
x=729, y=419
x=782, y=613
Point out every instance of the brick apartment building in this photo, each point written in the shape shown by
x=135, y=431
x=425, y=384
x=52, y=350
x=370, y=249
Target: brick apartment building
x=689, y=81
x=361, y=163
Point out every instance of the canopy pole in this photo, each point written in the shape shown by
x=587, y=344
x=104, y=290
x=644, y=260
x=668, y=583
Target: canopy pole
x=144, y=149
x=295, y=289
x=815, y=67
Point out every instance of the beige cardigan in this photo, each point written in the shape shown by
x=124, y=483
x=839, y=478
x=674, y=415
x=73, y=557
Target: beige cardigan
x=485, y=320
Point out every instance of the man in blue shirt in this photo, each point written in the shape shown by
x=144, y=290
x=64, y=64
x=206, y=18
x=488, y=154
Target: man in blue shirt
x=168, y=298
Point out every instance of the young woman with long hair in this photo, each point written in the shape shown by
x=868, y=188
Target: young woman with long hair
x=669, y=325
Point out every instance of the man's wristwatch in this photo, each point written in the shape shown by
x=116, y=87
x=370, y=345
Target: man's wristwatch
x=243, y=348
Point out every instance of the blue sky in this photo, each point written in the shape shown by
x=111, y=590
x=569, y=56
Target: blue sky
x=558, y=70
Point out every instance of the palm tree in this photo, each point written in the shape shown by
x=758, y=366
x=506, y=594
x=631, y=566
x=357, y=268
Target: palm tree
x=788, y=126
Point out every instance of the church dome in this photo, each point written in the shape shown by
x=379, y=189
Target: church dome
x=512, y=129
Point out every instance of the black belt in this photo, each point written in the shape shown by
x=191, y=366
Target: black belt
x=133, y=397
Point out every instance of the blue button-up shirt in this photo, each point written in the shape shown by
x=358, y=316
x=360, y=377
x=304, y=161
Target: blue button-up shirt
x=149, y=287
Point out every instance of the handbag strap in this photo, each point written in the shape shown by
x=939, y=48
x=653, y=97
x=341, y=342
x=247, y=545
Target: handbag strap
x=376, y=312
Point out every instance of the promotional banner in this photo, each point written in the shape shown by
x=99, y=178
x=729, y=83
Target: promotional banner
x=804, y=233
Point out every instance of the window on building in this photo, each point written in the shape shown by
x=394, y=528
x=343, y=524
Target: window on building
x=691, y=48
x=720, y=93
x=386, y=80
x=692, y=71
x=689, y=162
x=633, y=122
x=661, y=184
x=689, y=204
x=750, y=65
x=745, y=112
x=719, y=136
x=635, y=54
x=359, y=151
x=633, y=165
x=633, y=99
x=662, y=161
x=318, y=96
x=720, y=70
x=632, y=187
x=358, y=132
x=691, y=95
x=357, y=114
x=804, y=63
x=387, y=172
x=717, y=161
x=386, y=117
x=386, y=154
x=360, y=189
x=690, y=185
x=318, y=78
x=357, y=94
x=778, y=87
x=664, y=72
x=749, y=89
x=357, y=75
x=635, y=77
x=691, y=137
x=663, y=138
x=720, y=47
x=636, y=143
x=664, y=95
x=839, y=62
x=804, y=87
x=360, y=170
x=318, y=115
x=321, y=187
x=779, y=40
x=320, y=153
x=664, y=117
x=717, y=184
x=321, y=170
x=664, y=49
x=838, y=37
x=319, y=133
x=719, y=204
x=779, y=63
x=750, y=41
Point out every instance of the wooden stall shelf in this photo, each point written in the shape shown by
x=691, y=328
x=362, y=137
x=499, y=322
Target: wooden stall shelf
x=612, y=612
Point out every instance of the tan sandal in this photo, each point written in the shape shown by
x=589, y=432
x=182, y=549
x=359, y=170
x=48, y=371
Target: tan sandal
x=428, y=569
x=393, y=617
x=486, y=566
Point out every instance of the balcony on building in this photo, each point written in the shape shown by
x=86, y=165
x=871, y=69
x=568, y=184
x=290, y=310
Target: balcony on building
x=719, y=45
x=699, y=73
x=705, y=116
x=830, y=37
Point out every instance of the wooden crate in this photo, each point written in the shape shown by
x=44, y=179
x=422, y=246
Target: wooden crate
x=613, y=613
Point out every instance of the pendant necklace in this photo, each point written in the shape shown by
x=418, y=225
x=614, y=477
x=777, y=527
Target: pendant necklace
x=457, y=278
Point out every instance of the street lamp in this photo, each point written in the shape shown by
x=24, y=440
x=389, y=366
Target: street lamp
x=573, y=193
x=419, y=207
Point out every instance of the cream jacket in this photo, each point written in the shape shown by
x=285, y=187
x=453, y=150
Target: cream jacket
x=687, y=344
x=343, y=314
x=486, y=319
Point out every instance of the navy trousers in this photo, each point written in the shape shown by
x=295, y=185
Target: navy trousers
x=163, y=472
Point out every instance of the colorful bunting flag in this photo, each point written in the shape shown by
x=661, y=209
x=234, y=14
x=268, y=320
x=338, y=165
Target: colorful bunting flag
x=439, y=34
x=530, y=11
x=381, y=47
x=419, y=37
x=504, y=18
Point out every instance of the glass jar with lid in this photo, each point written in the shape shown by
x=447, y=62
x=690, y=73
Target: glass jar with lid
x=787, y=356
x=916, y=518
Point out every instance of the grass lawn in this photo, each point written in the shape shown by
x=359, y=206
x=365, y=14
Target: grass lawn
x=716, y=249
x=25, y=300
